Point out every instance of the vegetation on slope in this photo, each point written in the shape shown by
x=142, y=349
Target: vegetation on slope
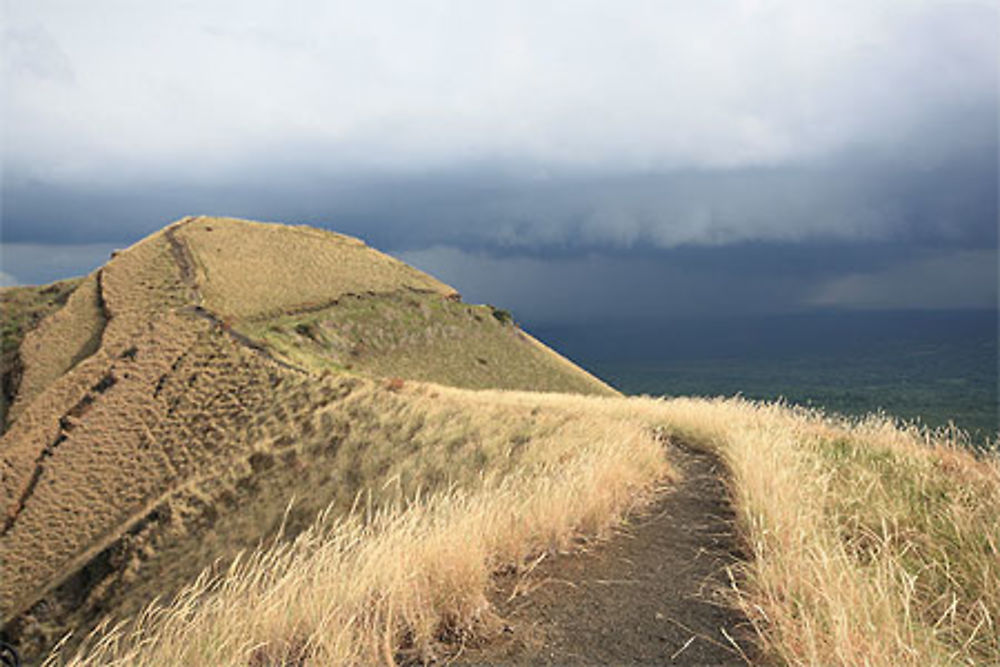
x=341, y=305
x=84, y=457
x=60, y=341
x=396, y=583
x=21, y=309
x=420, y=336
x=247, y=270
x=153, y=437
x=872, y=544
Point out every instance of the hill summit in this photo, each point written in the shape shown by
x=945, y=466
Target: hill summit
x=163, y=416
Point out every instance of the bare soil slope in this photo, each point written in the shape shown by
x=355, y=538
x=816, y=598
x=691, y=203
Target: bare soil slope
x=154, y=433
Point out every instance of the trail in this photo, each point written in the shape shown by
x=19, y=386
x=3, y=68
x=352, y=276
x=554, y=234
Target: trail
x=185, y=264
x=650, y=595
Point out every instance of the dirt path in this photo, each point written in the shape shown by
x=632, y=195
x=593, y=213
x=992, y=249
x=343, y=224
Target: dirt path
x=648, y=596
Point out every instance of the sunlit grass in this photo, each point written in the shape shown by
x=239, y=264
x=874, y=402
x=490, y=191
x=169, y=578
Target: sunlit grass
x=870, y=543
x=376, y=587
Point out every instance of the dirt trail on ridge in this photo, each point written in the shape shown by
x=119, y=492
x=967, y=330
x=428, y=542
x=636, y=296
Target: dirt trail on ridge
x=650, y=595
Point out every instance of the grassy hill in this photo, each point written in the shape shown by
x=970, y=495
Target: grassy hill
x=223, y=386
x=343, y=306
x=165, y=414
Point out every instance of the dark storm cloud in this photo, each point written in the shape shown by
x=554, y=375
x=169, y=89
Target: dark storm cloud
x=509, y=211
x=685, y=283
x=854, y=233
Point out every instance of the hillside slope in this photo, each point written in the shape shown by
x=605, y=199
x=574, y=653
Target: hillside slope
x=21, y=310
x=320, y=300
x=200, y=379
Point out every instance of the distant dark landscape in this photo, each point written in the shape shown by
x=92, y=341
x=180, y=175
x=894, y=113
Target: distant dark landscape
x=931, y=366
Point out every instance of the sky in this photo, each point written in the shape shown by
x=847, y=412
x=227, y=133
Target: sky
x=574, y=161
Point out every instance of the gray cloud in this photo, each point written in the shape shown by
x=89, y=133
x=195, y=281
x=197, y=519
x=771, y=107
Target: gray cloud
x=966, y=279
x=582, y=289
x=493, y=206
x=687, y=282
x=201, y=88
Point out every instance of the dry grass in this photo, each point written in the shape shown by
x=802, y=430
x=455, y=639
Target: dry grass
x=60, y=341
x=63, y=489
x=22, y=308
x=134, y=435
x=872, y=543
x=251, y=269
x=390, y=584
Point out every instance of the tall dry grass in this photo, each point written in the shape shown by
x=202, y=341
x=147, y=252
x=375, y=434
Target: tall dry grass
x=389, y=585
x=872, y=543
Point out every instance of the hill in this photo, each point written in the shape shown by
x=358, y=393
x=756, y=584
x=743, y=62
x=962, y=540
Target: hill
x=254, y=424
x=219, y=361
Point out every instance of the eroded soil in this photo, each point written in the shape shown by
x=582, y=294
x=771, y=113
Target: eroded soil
x=654, y=594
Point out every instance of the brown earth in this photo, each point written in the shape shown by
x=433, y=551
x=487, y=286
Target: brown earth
x=654, y=594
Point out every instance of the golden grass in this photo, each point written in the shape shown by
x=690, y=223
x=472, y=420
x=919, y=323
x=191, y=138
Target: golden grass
x=60, y=341
x=252, y=269
x=21, y=310
x=387, y=585
x=139, y=405
x=871, y=544
x=76, y=464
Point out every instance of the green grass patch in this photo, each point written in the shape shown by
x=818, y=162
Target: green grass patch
x=420, y=336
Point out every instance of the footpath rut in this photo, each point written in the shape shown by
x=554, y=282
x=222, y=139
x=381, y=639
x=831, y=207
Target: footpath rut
x=651, y=595
x=185, y=264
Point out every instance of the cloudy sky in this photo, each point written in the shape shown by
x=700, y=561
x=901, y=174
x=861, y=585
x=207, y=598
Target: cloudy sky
x=574, y=160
